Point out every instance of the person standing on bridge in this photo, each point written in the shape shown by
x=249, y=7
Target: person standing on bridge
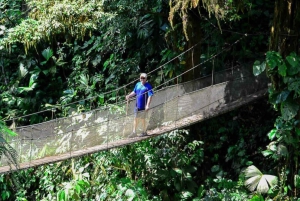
x=143, y=92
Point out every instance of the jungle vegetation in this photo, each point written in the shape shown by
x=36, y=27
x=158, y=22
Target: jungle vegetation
x=54, y=54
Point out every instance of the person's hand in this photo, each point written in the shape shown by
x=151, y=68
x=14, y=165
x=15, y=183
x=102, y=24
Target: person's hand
x=147, y=107
x=127, y=97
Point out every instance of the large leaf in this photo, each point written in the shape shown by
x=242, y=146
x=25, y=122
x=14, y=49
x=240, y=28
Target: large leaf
x=258, y=67
x=282, y=150
x=47, y=53
x=282, y=69
x=23, y=71
x=259, y=181
x=282, y=96
x=289, y=110
x=273, y=59
x=293, y=60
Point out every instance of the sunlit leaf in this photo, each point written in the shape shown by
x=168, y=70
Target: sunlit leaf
x=186, y=194
x=23, y=71
x=129, y=193
x=272, y=134
x=258, y=181
x=179, y=171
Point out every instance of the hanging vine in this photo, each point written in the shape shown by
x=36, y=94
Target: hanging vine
x=219, y=8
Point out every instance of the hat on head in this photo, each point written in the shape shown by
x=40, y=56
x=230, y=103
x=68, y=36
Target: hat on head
x=143, y=75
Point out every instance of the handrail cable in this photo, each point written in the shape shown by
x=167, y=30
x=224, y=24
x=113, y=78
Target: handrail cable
x=124, y=86
x=111, y=91
x=212, y=57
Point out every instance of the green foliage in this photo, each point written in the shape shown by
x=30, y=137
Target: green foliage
x=284, y=95
x=79, y=50
x=6, y=149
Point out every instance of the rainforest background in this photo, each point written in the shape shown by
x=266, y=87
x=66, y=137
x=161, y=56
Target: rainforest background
x=70, y=52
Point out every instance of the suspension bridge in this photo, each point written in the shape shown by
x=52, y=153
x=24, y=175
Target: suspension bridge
x=172, y=107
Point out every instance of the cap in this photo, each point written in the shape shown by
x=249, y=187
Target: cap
x=143, y=75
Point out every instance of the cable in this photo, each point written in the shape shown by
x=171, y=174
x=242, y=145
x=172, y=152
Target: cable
x=148, y=73
x=124, y=86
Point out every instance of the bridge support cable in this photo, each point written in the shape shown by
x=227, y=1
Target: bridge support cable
x=124, y=86
x=107, y=127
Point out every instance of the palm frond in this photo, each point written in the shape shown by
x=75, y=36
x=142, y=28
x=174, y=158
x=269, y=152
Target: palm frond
x=259, y=181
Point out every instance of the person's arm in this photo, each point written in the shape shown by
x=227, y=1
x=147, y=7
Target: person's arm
x=148, y=102
x=150, y=94
x=130, y=95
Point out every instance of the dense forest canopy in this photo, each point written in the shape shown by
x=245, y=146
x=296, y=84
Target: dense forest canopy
x=64, y=55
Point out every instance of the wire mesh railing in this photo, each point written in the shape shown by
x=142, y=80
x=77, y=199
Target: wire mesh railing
x=171, y=107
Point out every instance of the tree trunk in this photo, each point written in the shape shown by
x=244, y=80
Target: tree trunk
x=285, y=39
x=285, y=29
x=193, y=56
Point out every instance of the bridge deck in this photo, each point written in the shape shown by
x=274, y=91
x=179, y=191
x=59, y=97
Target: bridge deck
x=190, y=118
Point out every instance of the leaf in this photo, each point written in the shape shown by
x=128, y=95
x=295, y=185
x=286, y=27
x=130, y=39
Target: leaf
x=47, y=53
x=84, y=79
x=282, y=96
x=186, y=194
x=179, y=171
x=101, y=99
x=273, y=59
x=105, y=65
x=292, y=61
x=215, y=168
x=33, y=78
x=282, y=150
x=77, y=189
x=258, y=67
x=129, y=193
x=258, y=181
x=257, y=198
x=267, y=153
x=294, y=85
x=23, y=71
x=8, y=131
x=272, y=134
x=282, y=70
x=297, y=181
x=297, y=131
x=289, y=110
x=61, y=195
x=201, y=191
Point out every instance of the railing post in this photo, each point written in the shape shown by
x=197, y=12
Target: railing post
x=107, y=129
x=71, y=144
x=30, y=155
x=176, y=116
x=212, y=73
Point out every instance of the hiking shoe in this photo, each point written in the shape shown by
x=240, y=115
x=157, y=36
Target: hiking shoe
x=133, y=134
x=143, y=134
